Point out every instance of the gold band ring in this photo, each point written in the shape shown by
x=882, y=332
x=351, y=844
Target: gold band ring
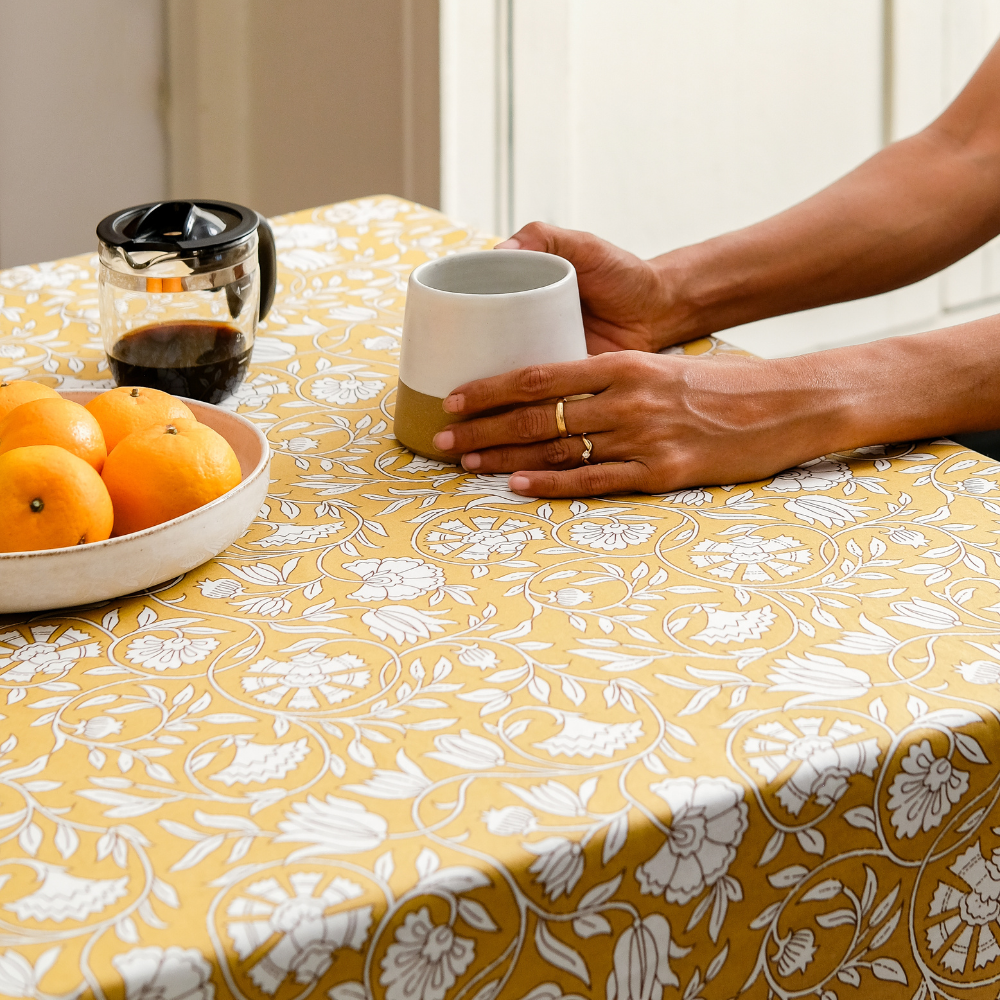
x=561, y=418
x=587, y=450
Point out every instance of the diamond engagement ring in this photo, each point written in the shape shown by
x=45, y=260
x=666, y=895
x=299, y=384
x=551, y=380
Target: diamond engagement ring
x=588, y=448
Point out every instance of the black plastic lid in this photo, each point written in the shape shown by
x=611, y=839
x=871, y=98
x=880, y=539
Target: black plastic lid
x=178, y=225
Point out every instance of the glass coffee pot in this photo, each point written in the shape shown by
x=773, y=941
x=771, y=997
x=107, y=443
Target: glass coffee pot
x=182, y=286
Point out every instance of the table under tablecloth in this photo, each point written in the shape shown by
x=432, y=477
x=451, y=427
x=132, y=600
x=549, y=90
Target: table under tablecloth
x=416, y=737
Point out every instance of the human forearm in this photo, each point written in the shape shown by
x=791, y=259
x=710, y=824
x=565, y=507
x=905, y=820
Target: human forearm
x=911, y=210
x=908, y=388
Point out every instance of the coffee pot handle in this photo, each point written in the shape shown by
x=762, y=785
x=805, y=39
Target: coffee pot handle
x=267, y=263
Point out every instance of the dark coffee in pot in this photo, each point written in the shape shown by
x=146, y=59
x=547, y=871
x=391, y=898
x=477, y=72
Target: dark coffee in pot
x=201, y=359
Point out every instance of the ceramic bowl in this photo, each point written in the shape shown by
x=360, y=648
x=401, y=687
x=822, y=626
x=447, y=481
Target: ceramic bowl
x=86, y=574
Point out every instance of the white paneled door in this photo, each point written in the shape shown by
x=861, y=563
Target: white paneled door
x=657, y=123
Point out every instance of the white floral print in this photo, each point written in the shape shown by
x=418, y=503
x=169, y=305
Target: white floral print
x=268, y=606
x=967, y=912
x=824, y=762
x=62, y=896
x=380, y=344
x=394, y=579
x=689, y=498
x=819, y=475
x=404, y=624
x=300, y=444
x=571, y=597
x=708, y=820
x=100, y=727
x=342, y=391
x=977, y=484
x=220, y=589
x=583, y=737
x=44, y=654
x=924, y=791
x=308, y=934
x=353, y=314
x=305, y=259
x=425, y=959
x=642, y=960
x=52, y=275
x=261, y=762
x=735, y=626
x=494, y=488
x=510, y=821
x=418, y=463
x=336, y=678
x=980, y=671
x=795, y=951
x=362, y=212
x=924, y=615
x=751, y=556
x=468, y=751
x=829, y=511
x=476, y=656
x=270, y=350
x=155, y=653
x=610, y=537
x=339, y=826
x=305, y=234
x=486, y=538
x=254, y=392
x=822, y=676
x=555, y=797
x=558, y=865
x=17, y=977
x=908, y=536
x=171, y=974
x=293, y=534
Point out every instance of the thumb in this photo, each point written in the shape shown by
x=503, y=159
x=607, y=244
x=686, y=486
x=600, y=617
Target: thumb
x=584, y=250
x=568, y=243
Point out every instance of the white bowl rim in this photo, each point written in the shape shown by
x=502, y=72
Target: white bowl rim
x=265, y=457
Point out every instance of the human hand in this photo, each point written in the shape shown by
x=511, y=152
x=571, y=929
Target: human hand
x=628, y=303
x=659, y=422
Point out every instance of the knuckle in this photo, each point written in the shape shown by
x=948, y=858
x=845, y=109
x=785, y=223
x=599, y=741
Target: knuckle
x=557, y=451
x=497, y=460
x=599, y=479
x=529, y=423
x=471, y=435
x=535, y=380
x=539, y=230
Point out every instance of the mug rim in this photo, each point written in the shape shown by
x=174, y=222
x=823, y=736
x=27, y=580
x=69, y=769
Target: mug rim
x=569, y=273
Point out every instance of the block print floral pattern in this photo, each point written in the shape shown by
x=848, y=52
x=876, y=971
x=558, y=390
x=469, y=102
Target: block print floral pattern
x=415, y=737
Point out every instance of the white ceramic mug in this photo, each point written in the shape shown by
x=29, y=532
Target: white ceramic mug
x=477, y=314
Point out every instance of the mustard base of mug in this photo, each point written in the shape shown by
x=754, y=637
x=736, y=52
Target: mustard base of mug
x=417, y=419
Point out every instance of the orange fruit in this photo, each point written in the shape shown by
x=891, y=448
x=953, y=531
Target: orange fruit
x=167, y=470
x=19, y=391
x=127, y=409
x=54, y=421
x=50, y=498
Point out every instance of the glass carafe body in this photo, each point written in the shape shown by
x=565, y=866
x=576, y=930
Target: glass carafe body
x=181, y=322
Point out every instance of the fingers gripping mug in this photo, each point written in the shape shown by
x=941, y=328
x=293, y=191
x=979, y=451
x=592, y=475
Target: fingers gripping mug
x=474, y=315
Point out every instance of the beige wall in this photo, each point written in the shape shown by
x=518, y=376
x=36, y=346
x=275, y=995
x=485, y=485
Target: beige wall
x=80, y=123
x=280, y=104
x=284, y=104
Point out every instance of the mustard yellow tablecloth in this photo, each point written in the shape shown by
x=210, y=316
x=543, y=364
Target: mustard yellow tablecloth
x=414, y=737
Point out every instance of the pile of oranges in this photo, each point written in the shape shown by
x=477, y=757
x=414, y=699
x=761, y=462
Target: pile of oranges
x=131, y=458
